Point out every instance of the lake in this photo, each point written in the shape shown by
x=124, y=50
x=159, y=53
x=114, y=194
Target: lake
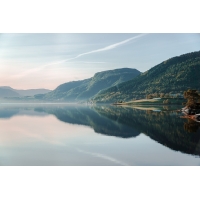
x=78, y=135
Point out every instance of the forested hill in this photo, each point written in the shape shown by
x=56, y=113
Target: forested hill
x=85, y=89
x=174, y=75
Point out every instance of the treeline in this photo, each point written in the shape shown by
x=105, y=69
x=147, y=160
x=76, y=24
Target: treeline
x=171, y=76
x=163, y=95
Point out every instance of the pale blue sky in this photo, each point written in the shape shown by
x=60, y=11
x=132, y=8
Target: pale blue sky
x=47, y=60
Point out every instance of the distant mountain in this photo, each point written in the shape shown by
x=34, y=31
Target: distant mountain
x=174, y=75
x=85, y=89
x=6, y=91
x=32, y=92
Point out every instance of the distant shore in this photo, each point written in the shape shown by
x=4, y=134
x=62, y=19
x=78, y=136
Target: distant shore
x=155, y=101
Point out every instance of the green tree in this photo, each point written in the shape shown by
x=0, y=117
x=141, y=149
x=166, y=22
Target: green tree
x=162, y=95
x=167, y=95
x=192, y=97
x=149, y=96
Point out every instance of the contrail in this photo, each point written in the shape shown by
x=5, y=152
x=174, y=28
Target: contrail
x=113, y=46
x=107, y=48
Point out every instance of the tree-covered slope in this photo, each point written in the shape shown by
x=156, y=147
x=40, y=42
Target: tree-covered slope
x=85, y=89
x=174, y=75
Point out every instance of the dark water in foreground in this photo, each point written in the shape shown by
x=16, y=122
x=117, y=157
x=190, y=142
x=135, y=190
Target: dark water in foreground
x=98, y=135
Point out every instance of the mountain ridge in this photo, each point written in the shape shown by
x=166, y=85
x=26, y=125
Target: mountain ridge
x=174, y=75
x=7, y=91
x=87, y=88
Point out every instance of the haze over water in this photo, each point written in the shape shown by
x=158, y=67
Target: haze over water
x=98, y=135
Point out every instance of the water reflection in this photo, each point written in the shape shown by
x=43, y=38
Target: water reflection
x=92, y=117
x=191, y=126
x=166, y=127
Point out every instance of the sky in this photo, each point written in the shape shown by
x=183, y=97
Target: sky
x=30, y=61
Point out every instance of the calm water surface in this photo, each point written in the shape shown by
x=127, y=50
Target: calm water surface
x=98, y=135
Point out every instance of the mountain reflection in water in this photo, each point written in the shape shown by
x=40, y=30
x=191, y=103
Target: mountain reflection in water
x=166, y=127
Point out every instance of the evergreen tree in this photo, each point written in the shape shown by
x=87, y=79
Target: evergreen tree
x=192, y=97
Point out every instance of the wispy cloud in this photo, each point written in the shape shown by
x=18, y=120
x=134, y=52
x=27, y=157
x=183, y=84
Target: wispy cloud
x=107, y=48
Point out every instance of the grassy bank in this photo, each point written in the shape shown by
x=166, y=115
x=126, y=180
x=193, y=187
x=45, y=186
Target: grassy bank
x=150, y=102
